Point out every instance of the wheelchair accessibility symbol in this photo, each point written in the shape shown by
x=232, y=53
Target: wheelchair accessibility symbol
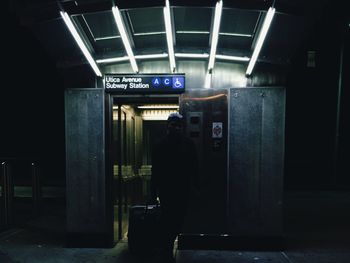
x=178, y=82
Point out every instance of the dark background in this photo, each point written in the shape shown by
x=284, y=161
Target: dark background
x=311, y=107
x=32, y=104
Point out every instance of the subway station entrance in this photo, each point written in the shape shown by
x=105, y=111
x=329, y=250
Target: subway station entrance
x=239, y=138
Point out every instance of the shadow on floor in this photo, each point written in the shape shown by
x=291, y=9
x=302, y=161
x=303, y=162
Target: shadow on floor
x=317, y=227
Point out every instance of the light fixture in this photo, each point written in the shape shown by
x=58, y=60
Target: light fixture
x=207, y=82
x=122, y=32
x=192, y=32
x=126, y=107
x=169, y=35
x=110, y=60
x=159, y=117
x=191, y=55
x=149, y=33
x=158, y=107
x=261, y=38
x=106, y=38
x=215, y=34
x=156, y=114
x=150, y=56
x=232, y=58
x=140, y=57
x=234, y=34
x=80, y=43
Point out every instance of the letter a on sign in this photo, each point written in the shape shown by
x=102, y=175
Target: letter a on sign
x=156, y=82
x=217, y=130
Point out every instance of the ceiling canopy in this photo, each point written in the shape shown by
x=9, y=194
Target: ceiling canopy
x=120, y=31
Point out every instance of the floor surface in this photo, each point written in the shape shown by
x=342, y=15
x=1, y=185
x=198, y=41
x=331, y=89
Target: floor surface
x=317, y=231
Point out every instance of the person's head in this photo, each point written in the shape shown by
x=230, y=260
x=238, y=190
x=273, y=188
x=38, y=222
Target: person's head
x=175, y=124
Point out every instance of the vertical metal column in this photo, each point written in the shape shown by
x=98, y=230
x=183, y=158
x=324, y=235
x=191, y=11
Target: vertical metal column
x=120, y=178
x=2, y=198
x=336, y=137
x=7, y=193
x=36, y=188
x=88, y=221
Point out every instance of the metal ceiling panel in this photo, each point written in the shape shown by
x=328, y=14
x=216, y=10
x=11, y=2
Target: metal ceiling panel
x=192, y=26
x=237, y=29
x=145, y=20
x=192, y=18
x=238, y=21
x=157, y=42
x=101, y=25
x=110, y=47
x=234, y=42
x=147, y=29
x=192, y=40
x=101, y=33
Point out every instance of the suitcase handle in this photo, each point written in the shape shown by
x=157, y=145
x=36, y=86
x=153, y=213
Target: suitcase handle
x=157, y=206
x=149, y=202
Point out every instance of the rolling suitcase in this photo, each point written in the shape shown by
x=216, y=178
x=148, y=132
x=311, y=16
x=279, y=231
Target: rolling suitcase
x=143, y=229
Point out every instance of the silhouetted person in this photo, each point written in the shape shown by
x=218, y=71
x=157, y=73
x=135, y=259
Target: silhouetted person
x=174, y=178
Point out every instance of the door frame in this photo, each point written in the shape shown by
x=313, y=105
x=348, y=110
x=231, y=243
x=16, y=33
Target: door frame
x=110, y=101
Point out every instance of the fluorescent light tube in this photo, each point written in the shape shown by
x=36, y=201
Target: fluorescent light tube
x=122, y=32
x=191, y=55
x=106, y=38
x=169, y=35
x=215, y=34
x=160, y=117
x=207, y=82
x=150, y=56
x=192, y=32
x=158, y=107
x=235, y=34
x=149, y=33
x=120, y=59
x=233, y=58
x=80, y=43
x=110, y=60
x=261, y=38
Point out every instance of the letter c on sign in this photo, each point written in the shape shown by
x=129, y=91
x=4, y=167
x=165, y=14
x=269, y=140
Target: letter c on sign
x=166, y=81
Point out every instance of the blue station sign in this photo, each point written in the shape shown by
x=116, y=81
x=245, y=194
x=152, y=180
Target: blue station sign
x=144, y=84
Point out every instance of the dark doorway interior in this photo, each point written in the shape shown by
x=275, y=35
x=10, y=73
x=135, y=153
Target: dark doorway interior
x=137, y=123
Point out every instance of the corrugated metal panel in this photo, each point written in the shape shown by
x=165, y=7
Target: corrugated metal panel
x=85, y=161
x=256, y=157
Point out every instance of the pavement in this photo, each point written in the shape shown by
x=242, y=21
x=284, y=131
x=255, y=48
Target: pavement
x=317, y=231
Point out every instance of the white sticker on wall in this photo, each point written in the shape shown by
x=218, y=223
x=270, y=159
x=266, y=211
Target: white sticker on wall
x=217, y=130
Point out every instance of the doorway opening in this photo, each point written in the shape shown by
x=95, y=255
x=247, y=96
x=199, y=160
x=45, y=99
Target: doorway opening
x=137, y=123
